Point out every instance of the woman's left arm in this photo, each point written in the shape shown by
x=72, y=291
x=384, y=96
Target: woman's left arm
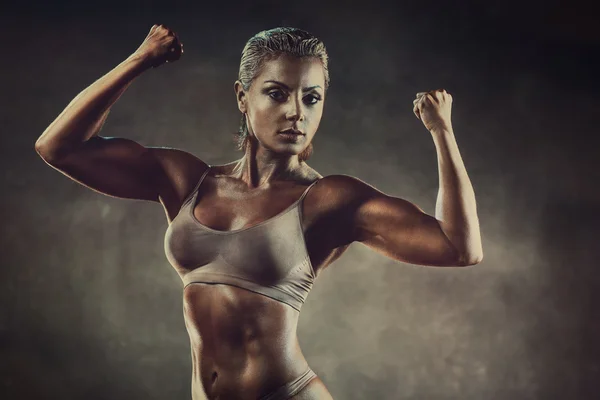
x=401, y=230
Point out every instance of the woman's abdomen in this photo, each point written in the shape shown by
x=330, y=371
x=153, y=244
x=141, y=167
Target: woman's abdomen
x=243, y=344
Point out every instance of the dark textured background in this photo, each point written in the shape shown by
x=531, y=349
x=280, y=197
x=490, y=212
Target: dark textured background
x=91, y=309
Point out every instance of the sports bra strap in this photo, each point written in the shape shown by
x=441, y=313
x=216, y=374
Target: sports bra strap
x=307, y=189
x=195, y=190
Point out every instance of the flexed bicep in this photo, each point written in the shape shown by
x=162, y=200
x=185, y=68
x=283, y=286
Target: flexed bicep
x=395, y=227
x=400, y=230
x=123, y=168
x=116, y=167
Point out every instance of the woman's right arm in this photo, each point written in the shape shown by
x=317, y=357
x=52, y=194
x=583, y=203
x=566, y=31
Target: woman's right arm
x=117, y=166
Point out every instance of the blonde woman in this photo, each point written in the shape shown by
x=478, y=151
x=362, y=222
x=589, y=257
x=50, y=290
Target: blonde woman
x=249, y=238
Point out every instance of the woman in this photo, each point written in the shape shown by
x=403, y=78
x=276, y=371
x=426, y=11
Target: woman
x=248, y=238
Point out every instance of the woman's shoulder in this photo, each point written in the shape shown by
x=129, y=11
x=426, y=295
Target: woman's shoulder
x=344, y=182
x=339, y=189
x=182, y=170
x=180, y=165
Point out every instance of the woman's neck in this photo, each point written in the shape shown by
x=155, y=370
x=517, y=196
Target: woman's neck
x=261, y=167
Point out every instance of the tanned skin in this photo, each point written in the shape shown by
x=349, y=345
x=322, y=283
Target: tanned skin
x=243, y=344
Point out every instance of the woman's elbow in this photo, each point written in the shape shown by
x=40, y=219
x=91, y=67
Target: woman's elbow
x=471, y=259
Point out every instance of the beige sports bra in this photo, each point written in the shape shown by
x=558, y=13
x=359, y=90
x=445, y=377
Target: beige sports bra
x=269, y=258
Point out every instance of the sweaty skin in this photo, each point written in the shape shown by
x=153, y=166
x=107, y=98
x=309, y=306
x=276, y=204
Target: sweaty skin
x=244, y=344
x=241, y=341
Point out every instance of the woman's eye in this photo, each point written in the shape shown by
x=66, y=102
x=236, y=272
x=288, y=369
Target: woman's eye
x=312, y=99
x=276, y=95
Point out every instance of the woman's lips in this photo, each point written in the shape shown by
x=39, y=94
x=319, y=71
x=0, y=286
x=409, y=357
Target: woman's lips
x=291, y=135
x=292, y=131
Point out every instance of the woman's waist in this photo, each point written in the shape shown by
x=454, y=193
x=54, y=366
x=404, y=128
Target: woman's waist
x=231, y=373
x=240, y=351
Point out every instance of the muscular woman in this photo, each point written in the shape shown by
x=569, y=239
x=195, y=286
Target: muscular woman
x=249, y=238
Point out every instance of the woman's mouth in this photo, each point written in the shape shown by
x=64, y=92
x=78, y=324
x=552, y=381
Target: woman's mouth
x=291, y=134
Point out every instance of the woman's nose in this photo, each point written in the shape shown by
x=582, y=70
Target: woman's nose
x=295, y=111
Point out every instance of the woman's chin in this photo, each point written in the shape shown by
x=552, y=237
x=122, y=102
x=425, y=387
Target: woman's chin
x=285, y=147
x=290, y=149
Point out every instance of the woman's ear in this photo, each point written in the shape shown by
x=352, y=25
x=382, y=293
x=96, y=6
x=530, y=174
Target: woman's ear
x=240, y=95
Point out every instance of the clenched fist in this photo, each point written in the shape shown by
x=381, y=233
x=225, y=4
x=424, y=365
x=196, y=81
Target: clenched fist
x=434, y=109
x=160, y=46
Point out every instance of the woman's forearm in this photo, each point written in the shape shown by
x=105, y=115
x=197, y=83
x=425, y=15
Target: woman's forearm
x=86, y=113
x=456, y=207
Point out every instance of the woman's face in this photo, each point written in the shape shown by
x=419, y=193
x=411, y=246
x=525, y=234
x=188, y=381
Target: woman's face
x=288, y=93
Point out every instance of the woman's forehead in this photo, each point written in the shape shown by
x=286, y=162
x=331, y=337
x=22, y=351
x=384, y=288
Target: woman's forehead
x=293, y=71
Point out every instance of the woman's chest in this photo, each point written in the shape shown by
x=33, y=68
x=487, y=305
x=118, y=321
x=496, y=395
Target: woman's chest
x=275, y=229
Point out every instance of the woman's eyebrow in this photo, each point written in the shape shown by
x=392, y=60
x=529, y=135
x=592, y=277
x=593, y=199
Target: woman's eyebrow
x=306, y=89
